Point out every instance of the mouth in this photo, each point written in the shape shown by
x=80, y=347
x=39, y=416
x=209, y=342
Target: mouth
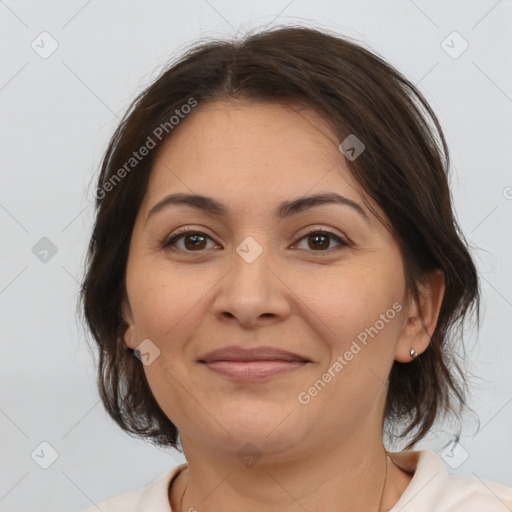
x=252, y=364
x=254, y=370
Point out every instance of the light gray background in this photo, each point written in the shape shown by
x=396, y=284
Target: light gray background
x=56, y=117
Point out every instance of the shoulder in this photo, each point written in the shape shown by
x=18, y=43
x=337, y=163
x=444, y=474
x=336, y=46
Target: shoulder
x=153, y=496
x=432, y=488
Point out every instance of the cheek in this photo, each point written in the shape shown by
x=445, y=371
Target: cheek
x=166, y=302
x=352, y=300
x=362, y=309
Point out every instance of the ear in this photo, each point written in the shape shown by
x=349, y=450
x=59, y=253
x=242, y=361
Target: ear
x=129, y=338
x=421, y=319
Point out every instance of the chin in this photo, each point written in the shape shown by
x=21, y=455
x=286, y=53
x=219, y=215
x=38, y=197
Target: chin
x=268, y=432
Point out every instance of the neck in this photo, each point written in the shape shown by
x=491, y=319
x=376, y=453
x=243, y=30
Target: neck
x=346, y=477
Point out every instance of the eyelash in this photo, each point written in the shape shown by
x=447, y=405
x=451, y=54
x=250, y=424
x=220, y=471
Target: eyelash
x=168, y=242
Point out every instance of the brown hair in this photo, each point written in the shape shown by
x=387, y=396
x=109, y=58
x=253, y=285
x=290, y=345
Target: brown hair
x=404, y=169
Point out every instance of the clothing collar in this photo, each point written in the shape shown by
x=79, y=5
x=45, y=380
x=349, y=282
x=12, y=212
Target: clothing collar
x=421, y=495
x=156, y=494
x=430, y=475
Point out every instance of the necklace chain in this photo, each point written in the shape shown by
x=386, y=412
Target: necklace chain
x=183, y=495
x=380, y=499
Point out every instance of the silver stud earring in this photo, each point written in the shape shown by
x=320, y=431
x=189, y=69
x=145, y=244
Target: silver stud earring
x=413, y=353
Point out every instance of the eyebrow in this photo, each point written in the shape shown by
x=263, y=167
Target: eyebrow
x=285, y=209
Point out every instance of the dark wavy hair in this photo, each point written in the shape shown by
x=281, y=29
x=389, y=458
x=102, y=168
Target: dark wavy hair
x=404, y=169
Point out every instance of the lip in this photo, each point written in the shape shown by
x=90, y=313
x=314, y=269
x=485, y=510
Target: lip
x=252, y=364
x=254, y=370
x=239, y=354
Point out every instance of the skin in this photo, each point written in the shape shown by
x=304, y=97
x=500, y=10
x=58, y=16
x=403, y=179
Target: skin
x=329, y=452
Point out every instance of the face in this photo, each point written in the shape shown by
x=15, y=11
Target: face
x=325, y=283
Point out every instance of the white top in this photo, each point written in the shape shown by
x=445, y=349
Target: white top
x=431, y=489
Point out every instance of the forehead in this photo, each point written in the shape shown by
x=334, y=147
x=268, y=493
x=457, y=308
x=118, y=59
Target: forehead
x=265, y=151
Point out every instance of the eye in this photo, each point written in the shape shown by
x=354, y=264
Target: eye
x=192, y=240
x=320, y=241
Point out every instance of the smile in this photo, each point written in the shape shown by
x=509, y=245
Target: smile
x=254, y=370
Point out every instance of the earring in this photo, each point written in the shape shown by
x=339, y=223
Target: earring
x=413, y=353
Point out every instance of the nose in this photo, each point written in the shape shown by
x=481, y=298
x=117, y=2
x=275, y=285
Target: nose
x=252, y=292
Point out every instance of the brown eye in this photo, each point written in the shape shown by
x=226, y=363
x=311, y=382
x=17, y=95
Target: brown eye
x=193, y=241
x=319, y=240
x=196, y=241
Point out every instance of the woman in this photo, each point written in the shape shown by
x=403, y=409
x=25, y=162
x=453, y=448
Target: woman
x=276, y=275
